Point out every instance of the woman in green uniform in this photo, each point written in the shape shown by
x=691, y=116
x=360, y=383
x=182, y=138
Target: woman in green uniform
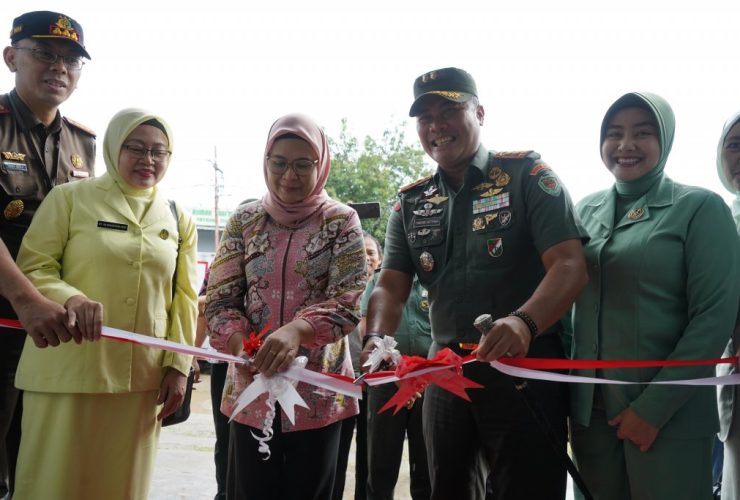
x=663, y=260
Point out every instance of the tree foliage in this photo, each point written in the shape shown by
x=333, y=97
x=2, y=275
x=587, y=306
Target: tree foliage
x=373, y=171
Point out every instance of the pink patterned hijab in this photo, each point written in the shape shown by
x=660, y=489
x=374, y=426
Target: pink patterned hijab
x=293, y=214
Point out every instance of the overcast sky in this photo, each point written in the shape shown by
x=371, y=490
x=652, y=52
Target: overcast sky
x=546, y=73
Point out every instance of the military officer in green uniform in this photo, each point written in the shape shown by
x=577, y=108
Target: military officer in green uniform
x=38, y=149
x=487, y=233
x=386, y=431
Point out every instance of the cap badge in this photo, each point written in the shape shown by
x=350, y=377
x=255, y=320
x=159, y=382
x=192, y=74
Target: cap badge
x=63, y=27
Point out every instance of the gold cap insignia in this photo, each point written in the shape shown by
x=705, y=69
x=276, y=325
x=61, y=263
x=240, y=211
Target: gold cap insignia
x=63, y=27
x=13, y=209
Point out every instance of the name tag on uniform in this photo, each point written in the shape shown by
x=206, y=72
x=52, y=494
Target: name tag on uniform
x=80, y=173
x=113, y=225
x=14, y=166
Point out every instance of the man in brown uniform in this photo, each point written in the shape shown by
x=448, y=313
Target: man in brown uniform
x=38, y=149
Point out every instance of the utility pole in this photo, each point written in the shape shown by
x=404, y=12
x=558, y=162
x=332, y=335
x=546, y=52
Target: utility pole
x=216, y=171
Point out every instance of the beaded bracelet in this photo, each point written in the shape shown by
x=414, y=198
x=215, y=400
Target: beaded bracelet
x=370, y=335
x=533, y=330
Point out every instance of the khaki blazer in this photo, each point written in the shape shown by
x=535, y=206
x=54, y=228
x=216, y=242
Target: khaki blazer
x=85, y=240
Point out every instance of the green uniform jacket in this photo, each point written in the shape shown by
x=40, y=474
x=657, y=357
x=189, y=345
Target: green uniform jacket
x=85, y=240
x=479, y=250
x=414, y=331
x=663, y=285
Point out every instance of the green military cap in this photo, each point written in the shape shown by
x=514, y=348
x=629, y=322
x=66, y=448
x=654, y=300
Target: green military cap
x=43, y=24
x=451, y=83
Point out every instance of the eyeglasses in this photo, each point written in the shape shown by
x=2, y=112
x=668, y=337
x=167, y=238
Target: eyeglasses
x=49, y=57
x=158, y=155
x=301, y=166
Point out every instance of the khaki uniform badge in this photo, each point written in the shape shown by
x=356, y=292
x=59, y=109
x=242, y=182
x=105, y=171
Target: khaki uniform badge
x=13, y=209
x=76, y=160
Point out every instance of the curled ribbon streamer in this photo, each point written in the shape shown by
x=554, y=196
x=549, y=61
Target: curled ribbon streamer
x=279, y=388
x=414, y=376
x=385, y=350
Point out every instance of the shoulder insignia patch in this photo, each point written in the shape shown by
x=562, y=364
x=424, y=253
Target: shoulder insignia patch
x=414, y=184
x=539, y=168
x=550, y=185
x=512, y=155
x=80, y=126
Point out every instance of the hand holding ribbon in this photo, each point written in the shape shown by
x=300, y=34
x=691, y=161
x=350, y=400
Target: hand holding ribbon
x=385, y=351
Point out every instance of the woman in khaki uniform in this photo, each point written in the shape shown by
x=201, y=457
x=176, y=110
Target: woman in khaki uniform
x=107, y=249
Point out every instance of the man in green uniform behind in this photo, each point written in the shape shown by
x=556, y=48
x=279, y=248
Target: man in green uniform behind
x=487, y=233
x=38, y=149
x=387, y=431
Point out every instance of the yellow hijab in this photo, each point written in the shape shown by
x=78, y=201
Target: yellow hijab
x=121, y=125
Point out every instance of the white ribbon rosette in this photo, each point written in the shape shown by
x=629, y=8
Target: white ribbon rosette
x=385, y=350
x=279, y=388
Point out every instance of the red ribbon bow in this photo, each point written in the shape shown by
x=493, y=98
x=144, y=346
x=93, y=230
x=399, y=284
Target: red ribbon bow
x=253, y=343
x=450, y=379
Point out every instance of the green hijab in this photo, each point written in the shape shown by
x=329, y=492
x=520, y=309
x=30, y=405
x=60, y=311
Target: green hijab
x=721, y=171
x=666, y=123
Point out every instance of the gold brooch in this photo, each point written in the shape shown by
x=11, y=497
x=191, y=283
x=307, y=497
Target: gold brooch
x=635, y=213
